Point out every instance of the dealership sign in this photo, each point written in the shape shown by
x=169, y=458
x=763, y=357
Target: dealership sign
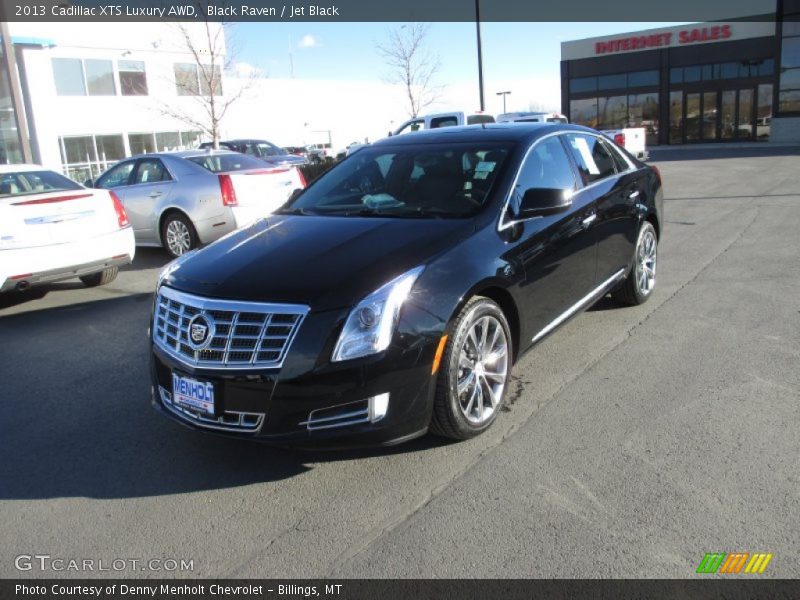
x=657, y=40
x=667, y=37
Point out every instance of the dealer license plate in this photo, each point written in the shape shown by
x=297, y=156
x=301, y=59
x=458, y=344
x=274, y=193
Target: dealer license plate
x=194, y=394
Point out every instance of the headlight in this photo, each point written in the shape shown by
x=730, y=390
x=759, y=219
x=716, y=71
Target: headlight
x=370, y=325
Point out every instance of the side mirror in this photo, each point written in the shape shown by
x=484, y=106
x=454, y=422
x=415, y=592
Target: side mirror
x=88, y=183
x=541, y=202
x=390, y=134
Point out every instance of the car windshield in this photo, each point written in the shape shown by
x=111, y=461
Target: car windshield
x=431, y=180
x=223, y=163
x=267, y=149
x=34, y=182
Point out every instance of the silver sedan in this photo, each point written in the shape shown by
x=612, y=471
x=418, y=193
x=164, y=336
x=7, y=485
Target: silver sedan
x=180, y=200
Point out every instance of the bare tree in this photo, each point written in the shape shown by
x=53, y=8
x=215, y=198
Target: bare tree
x=412, y=65
x=204, y=84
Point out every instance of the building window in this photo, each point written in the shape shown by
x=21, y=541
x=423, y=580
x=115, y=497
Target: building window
x=582, y=84
x=583, y=112
x=186, y=82
x=10, y=146
x=643, y=112
x=197, y=80
x=168, y=141
x=612, y=112
x=76, y=77
x=643, y=78
x=68, y=75
x=132, y=78
x=789, y=87
x=100, y=77
x=611, y=82
x=141, y=143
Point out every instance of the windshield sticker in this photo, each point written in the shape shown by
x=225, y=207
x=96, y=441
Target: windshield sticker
x=586, y=154
x=484, y=166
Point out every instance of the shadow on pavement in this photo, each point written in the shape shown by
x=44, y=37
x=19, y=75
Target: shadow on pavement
x=77, y=420
x=148, y=258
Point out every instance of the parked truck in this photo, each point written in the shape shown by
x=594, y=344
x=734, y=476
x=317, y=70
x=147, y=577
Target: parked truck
x=630, y=138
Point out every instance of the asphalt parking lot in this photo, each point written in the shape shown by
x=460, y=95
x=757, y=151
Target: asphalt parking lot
x=636, y=439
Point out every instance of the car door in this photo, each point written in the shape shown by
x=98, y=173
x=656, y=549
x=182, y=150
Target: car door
x=556, y=251
x=150, y=188
x=609, y=222
x=618, y=215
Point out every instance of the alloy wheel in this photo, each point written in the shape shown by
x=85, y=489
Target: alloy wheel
x=179, y=238
x=646, y=262
x=482, y=369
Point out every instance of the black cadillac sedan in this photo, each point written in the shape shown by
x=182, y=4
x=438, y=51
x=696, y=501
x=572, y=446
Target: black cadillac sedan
x=393, y=295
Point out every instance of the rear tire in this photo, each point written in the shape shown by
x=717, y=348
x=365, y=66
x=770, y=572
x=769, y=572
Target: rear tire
x=101, y=278
x=640, y=282
x=474, y=373
x=178, y=235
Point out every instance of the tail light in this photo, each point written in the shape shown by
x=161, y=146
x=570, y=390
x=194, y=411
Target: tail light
x=122, y=216
x=228, y=193
x=303, y=183
x=619, y=139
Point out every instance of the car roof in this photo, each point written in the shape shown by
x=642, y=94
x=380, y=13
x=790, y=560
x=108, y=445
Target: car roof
x=495, y=132
x=182, y=154
x=17, y=168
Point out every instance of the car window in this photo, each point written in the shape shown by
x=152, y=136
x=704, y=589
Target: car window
x=479, y=119
x=151, y=170
x=546, y=166
x=34, y=182
x=443, y=122
x=592, y=157
x=424, y=180
x=416, y=125
x=221, y=163
x=266, y=149
x=619, y=161
x=118, y=175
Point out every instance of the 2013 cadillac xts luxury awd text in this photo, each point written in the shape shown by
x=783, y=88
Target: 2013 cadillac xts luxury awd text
x=392, y=296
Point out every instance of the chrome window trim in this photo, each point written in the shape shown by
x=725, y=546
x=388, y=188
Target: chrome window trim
x=205, y=304
x=503, y=223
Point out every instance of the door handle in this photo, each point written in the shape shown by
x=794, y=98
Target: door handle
x=156, y=194
x=589, y=220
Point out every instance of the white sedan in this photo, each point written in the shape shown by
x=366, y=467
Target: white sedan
x=52, y=229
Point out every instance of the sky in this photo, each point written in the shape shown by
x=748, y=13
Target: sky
x=525, y=55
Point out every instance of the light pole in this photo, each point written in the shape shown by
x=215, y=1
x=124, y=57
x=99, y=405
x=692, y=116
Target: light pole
x=480, y=52
x=504, y=94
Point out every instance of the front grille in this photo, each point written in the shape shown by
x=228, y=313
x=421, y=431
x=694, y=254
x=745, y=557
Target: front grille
x=242, y=334
x=227, y=421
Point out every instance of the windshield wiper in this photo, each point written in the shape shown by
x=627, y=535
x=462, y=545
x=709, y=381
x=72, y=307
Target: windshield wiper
x=295, y=211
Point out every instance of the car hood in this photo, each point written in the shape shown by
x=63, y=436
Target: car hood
x=324, y=262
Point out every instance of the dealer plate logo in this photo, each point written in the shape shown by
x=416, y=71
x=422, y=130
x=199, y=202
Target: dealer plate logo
x=201, y=332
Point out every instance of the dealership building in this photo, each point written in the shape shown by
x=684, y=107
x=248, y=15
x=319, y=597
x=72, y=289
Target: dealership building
x=728, y=80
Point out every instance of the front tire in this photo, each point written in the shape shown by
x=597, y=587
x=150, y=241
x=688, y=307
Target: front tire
x=178, y=235
x=474, y=373
x=641, y=280
x=101, y=278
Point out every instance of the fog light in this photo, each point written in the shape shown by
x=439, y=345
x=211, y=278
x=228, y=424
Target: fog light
x=378, y=405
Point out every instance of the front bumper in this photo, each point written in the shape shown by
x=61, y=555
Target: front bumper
x=310, y=400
